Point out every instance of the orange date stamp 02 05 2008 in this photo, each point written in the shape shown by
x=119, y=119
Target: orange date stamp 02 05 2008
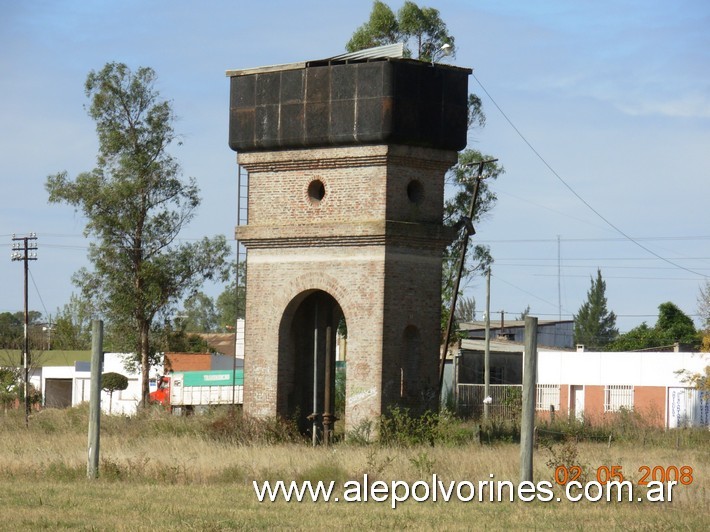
x=682, y=475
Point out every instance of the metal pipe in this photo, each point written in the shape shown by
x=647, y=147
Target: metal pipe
x=327, y=410
x=314, y=415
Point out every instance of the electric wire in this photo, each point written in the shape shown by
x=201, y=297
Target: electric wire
x=574, y=192
x=37, y=290
x=524, y=291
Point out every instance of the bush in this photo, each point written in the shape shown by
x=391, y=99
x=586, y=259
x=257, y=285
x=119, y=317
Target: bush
x=240, y=429
x=400, y=428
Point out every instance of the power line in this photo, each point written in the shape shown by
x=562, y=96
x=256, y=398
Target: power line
x=594, y=259
x=589, y=239
x=525, y=291
x=636, y=278
x=574, y=192
x=587, y=266
x=38, y=294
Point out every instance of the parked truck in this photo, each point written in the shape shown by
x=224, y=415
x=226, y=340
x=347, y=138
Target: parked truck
x=186, y=391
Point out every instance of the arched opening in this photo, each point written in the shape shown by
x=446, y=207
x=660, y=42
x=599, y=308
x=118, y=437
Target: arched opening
x=309, y=348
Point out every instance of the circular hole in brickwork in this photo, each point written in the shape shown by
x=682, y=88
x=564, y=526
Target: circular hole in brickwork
x=316, y=190
x=415, y=191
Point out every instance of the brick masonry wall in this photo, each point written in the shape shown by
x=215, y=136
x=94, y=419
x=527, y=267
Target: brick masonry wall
x=594, y=403
x=187, y=361
x=564, y=400
x=368, y=243
x=650, y=402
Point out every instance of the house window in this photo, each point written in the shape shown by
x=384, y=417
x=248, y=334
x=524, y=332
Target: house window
x=618, y=396
x=547, y=395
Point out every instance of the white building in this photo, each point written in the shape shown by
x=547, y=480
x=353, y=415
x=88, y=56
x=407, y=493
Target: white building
x=64, y=386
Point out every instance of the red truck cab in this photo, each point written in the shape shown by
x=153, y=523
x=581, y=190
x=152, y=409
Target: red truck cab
x=162, y=394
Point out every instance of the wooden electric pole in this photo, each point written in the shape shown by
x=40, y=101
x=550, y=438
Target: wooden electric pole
x=487, y=349
x=467, y=223
x=24, y=251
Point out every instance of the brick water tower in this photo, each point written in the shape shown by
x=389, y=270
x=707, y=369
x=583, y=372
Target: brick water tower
x=346, y=160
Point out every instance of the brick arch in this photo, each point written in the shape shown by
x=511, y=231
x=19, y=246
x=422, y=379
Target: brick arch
x=323, y=282
x=312, y=311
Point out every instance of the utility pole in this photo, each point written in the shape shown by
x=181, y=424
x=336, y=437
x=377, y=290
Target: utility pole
x=467, y=223
x=48, y=330
x=24, y=248
x=487, y=349
x=559, y=285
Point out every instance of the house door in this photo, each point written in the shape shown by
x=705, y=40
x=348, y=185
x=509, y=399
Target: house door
x=577, y=399
x=57, y=393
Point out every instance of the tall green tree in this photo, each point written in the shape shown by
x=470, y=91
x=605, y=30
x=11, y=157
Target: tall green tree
x=171, y=340
x=594, y=325
x=10, y=386
x=523, y=314
x=461, y=183
x=136, y=203
x=381, y=28
x=72, y=325
x=466, y=309
x=704, y=311
x=420, y=28
x=199, y=314
x=640, y=337
x=231, y=302
x=11, y=331
x=672, y=326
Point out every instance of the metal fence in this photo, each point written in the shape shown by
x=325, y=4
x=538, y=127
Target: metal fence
x=506, y=400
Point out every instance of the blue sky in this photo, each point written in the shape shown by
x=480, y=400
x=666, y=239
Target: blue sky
x=614, y=96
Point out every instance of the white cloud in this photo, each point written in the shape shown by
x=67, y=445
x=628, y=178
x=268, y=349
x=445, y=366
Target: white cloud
x=684, y=106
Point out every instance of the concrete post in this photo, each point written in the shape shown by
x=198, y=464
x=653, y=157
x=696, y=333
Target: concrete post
x=97, y=340
x=527, y=426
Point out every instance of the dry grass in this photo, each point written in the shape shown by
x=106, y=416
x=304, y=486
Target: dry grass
x=168, y=473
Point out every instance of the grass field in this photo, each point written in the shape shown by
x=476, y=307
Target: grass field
x=158, y=472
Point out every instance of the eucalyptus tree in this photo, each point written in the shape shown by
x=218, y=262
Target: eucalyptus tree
x=136, y=203
x=420, y=28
